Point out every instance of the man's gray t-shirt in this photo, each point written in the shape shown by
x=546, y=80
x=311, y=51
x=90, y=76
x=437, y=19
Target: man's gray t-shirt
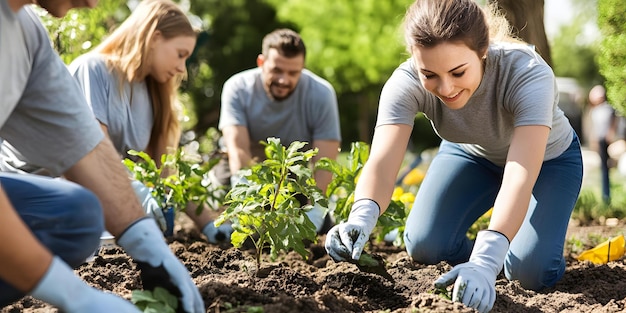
x=518, y=88
x=309, y=113
x=125, y=108
x=51, y=125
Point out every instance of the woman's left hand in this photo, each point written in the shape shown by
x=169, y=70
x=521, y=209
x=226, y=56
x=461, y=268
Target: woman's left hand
x=474, y=281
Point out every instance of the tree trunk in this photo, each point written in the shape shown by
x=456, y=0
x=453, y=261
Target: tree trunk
x=526, y=18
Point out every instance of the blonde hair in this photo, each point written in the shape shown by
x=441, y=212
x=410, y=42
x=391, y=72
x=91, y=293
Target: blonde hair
x=127, y=51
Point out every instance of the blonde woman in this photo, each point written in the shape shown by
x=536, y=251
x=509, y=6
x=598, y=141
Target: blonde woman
x=130, y=81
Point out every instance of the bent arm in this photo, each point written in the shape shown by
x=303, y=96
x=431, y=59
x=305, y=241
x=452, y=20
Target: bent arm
x=23, y=259
x=378, y=176
x=524, y=161
x=237, y=141
x=102, y=172
x=326, y=149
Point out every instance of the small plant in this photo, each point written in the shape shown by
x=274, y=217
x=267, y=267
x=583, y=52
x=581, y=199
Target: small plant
x=341, y=190
x=178, y=181
x=265, y=208
x=158, y=301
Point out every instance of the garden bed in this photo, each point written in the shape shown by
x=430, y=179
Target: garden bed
x=228, y=282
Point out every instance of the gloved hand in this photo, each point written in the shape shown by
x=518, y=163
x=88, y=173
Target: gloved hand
x=62, y=288
x=144, y=242
x=474, y=281
x=347, y=240
x=217, y=234
x=149, y=204
x=317, y=215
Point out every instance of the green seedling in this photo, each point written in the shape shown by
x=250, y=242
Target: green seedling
x=178, y=181
x=342, y=187
x=372, y=263
x=158, y=301
x=265, y=210
x=443, y=292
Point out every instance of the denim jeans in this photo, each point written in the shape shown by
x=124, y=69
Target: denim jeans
x=65, y=217
x=459, y=188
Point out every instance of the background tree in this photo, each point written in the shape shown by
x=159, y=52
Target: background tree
x=612, y=56
x=526, y=18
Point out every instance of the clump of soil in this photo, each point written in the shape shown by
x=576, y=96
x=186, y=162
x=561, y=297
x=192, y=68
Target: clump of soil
x=228, y=281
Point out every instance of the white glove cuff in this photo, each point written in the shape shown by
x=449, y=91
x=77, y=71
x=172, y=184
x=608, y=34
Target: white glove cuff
x=142, y=239
x=59, y=274
x=490, y=249
x=364, y=213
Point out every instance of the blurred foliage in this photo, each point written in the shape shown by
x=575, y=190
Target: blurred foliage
x=355, y=45
x=230, y=43
x=574, y=48
x=82, y=29
x=612, y=56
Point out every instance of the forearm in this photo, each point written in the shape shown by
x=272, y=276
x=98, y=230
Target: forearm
x=379, y=174
x=102, y=172
x=524, y=162
x=23, y=260
x=511, y=204
x=237, y=141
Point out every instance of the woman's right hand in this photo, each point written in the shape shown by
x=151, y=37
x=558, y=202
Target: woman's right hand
x=347, y=240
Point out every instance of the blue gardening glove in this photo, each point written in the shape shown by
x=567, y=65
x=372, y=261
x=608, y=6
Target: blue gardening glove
x=347, y=240
x=62, y=288
x=217, y=234
x=474, y=281
x=317, y=215
x=144, y=242
x=149, y=204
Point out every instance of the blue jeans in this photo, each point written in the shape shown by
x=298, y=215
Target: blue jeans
x=459, y=188
x=65, y=217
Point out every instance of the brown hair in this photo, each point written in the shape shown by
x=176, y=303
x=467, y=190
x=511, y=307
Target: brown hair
x=286, y=41
x=428, y=23
x=127, y=51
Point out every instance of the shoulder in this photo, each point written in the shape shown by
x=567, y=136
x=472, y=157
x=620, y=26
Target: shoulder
x=314, y=82
x=518, y=57
x=91, y=61
x=35, y=34
x=243, y=79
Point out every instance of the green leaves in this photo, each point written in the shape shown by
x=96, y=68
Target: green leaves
x=178, y=181
x=158, y=301
x=343, y=184
x=265, y=209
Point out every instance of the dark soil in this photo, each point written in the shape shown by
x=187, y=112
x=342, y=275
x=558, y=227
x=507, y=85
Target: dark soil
x=228, y=281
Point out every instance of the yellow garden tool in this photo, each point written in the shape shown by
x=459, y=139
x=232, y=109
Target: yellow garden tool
x=609, y=250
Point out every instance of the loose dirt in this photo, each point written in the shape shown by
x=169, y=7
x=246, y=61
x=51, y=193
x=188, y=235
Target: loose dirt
x=228, y=281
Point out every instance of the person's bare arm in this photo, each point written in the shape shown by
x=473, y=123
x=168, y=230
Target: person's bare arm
x=522, y=168
x=102, y=172
x=326, y=149
x=23, y=259
x=379, y=174
x=237, y=141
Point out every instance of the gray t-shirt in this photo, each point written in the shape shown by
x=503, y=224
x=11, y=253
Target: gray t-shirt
x=518, y=88
x=49, y=123
x=125, y=108
x=309, y=113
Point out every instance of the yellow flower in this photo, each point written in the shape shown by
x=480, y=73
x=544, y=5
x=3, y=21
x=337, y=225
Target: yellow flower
x=397, y=193
x=488, y=213
x=407, y=198
x=414, y=177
